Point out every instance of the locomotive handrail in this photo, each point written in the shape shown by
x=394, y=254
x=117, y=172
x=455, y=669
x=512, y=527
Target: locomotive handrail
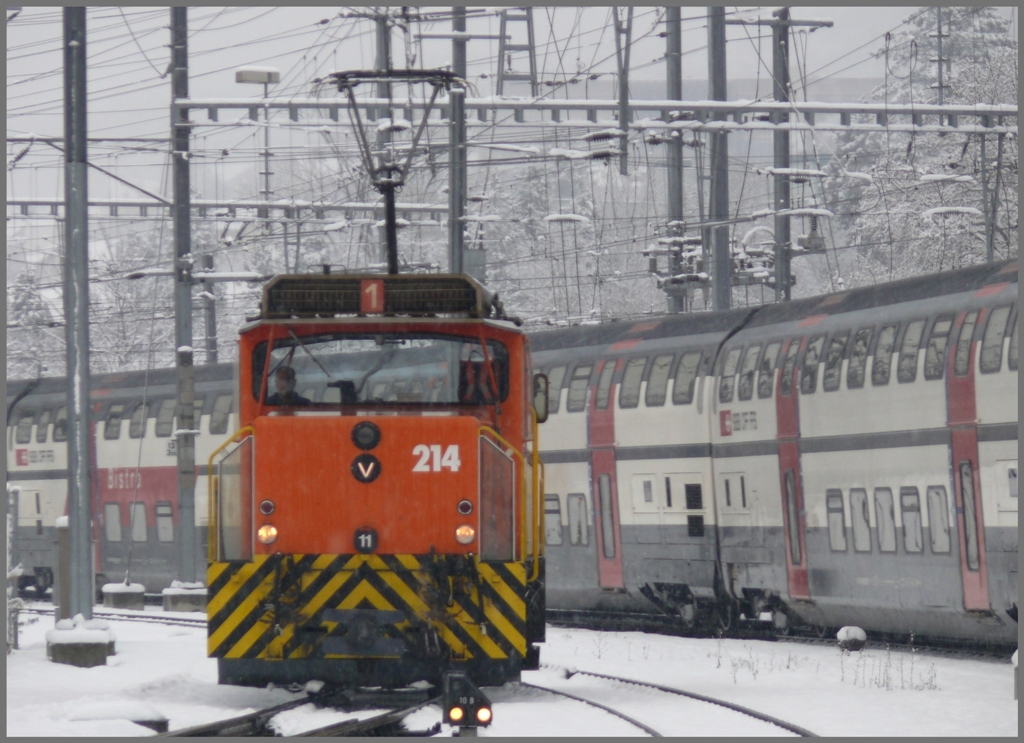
x=522, y=482
x=538, y=490
x=212, y=494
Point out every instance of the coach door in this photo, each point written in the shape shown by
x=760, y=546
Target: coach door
x=604, y=484
x=787, y=410
x=962, y=408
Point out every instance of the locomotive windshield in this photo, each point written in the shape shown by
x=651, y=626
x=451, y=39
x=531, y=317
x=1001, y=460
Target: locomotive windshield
x=344, y=368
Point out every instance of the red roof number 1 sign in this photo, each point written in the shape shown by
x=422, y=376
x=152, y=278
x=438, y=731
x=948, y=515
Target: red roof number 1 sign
x=371, y=296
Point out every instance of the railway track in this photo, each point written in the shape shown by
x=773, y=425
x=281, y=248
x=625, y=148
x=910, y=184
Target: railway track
x=258, y=724
x=147, y=618
x=739, y=709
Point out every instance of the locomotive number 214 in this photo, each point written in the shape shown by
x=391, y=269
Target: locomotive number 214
x=431, y=459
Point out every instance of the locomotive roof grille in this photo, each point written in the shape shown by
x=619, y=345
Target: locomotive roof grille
x=409, y=295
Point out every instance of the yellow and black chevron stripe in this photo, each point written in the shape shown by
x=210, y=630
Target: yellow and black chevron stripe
x=274, y=607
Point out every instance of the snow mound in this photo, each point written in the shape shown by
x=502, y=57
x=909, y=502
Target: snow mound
x=120, y=710
x=122, y=588
x=61, y=522
x=851, y=638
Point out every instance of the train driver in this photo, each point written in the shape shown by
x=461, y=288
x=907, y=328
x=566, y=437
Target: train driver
x=284, y=383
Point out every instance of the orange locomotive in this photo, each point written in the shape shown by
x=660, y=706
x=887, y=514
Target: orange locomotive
x=375, y=520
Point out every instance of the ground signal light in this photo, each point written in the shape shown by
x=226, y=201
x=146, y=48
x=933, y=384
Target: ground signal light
x=464, y=704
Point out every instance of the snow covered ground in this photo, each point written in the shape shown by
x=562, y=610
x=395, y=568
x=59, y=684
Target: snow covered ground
x=164, y=670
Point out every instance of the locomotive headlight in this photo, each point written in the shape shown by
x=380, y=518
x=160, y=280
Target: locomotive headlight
x=483, y=715
x=266, y=533
x=465, y=534
x=455, y=714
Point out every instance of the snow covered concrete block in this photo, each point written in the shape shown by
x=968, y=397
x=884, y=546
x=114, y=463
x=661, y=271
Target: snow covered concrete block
x=80, y=642
x=185, y=597
x=852, y=638
x=124, y=596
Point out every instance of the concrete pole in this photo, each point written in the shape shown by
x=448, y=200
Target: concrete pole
x=780, y=90
x=76, y=315
x=718, y=209
x=457, y=167
x=210, y=312
x=185, y=442
x=389, y=235
x=622, y=49
x=674, y=164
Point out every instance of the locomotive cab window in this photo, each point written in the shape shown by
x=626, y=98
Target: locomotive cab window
x=376, y=367
x=686, y=377
x=992, y=345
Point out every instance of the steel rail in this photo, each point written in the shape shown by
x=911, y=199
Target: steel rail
x=650, y=731
x=146, y=619
x=802, y=732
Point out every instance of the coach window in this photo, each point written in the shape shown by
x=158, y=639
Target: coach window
x=657, y=383
x=112, y=425
x=1012, y=360
x=886, y=519
x=786, y=384
x=935, y=356
x=766, y=373
x=577, y=399
x=42, y=428
x=197, y=420
x=60, y=425
x=907, y=369
x=165, y=417
x=604, y=384
x=938, y=518
x=164, y=522
x=555, y=377
x=746, y=384
x=221, y=414
x=686, y=377
x=963, y=344
x=836, y=523
x=992, y=345
x=694, y=526
x=858, y=359
x=629, y=393
x=883, y=356
x=809, y=369
x=23, y=433
x=137, y=422
x=552, y=519
x=138, y=512
x=970, y=520
x=576, y=504
x=834, y=362
x=791, y=512
x=728, y=378
x=910, y=510
x=860, y=520
x=112, y=521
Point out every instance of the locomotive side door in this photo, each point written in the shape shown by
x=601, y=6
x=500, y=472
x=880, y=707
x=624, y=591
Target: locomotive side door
x=603, y=480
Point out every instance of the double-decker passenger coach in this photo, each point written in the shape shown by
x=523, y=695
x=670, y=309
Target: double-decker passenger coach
x=374, y=519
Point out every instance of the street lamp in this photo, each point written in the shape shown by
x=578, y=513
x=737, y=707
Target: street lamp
x=262, y=76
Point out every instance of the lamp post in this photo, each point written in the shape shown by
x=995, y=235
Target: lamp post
x=265, y=76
